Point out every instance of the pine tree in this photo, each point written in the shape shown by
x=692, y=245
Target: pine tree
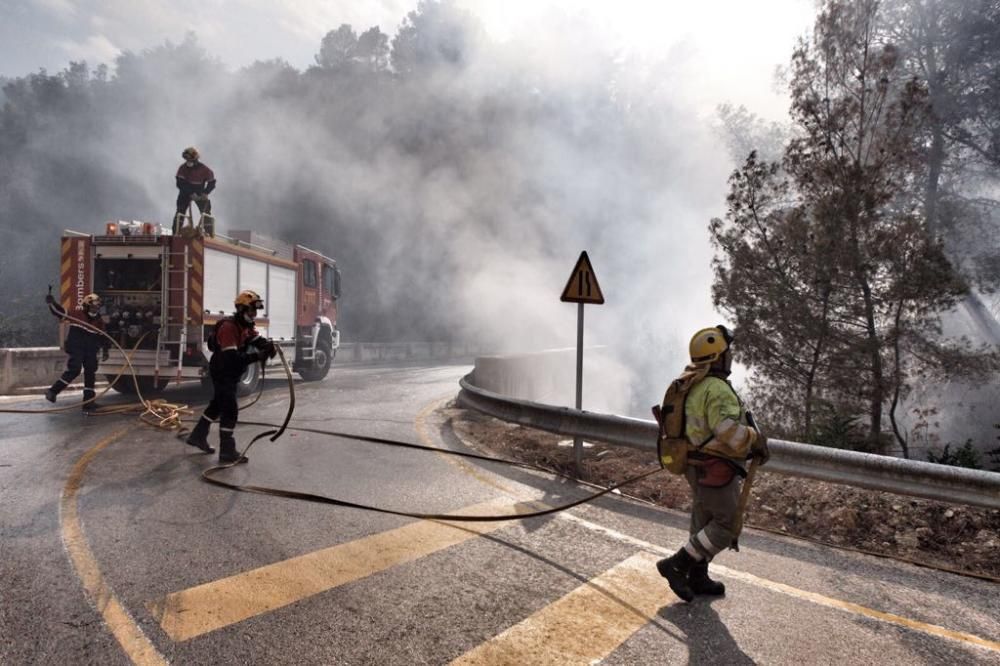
x=826, y=261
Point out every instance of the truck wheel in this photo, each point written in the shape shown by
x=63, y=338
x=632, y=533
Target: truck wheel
x=126, y=385
x=249, y=381
x=322, y=360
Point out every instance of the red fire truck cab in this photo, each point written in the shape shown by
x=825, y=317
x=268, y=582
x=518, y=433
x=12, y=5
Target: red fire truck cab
x=173, y=289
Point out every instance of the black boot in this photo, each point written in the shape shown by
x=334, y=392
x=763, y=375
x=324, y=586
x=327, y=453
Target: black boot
x=90, y=405
x=675, y=569
x=199, y=436
x=51, y=394
x=700, y=583
x=228, y=453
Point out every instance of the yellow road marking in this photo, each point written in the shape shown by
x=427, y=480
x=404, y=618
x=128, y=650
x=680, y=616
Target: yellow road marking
x=128, y=634
x=585, y=625
x=204, y=608
x=857, y=609
x=813, y=597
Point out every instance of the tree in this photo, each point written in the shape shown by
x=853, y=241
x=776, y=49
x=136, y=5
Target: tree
x=342, y=50
x=338, y=48
x=373, y=49
x=437, y=36
x=954, y=48
x=770, y=271
x=829, y=256
x=745, y=132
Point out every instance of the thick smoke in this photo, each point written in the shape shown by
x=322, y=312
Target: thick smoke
x=455, y=189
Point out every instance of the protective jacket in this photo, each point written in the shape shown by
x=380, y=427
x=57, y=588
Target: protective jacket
x=79, y=338
x=714, y=414
x=82, y=344
x=197, y=179
x=239, y=346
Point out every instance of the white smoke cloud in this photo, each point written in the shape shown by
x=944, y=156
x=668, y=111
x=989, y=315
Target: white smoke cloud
x=464, y=240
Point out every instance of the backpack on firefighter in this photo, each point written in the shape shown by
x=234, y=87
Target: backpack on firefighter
x=212, y=341
x=672, y=444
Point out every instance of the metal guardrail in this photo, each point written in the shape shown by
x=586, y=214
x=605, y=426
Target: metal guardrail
x=956, y=485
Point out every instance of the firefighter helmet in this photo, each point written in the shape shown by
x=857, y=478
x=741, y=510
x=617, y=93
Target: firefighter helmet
x=249, y=299
x=190, y=153
x=709, y=344
x=91, y=301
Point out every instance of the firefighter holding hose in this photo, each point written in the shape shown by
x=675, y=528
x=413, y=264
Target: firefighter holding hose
x=82, y=343
x=234, y=344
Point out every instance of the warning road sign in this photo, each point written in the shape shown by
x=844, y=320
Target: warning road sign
x=582, y=286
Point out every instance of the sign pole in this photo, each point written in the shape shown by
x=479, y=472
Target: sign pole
x=577, y=441
x=581, y=288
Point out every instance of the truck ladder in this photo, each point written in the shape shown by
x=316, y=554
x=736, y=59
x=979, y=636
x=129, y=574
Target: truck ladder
x=166, y=309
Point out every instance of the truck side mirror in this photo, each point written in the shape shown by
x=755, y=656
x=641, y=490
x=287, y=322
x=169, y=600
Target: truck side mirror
x=336, y=282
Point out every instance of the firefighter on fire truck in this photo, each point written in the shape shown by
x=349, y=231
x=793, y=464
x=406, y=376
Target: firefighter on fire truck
x=195, y=181
x=234, y=344
x=81, y=345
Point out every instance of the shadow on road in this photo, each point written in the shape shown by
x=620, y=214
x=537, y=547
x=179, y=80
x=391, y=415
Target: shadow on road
x=708, y=638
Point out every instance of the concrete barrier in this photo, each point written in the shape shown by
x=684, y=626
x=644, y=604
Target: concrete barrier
x=39, y=366
x=30, y=366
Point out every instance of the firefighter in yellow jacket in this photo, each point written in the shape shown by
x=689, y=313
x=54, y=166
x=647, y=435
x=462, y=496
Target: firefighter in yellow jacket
x=721, y=439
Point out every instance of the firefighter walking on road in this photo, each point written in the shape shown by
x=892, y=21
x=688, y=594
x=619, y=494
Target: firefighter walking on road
x=234, y=345
x=81, y=345
x=721, y=438
x=195, y=181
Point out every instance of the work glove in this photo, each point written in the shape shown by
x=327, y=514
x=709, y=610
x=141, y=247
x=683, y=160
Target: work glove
x=271, y=349
x=50, y=299
x=759, y=449
x=104, y=353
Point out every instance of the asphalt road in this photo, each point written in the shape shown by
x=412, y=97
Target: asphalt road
x=113, y=550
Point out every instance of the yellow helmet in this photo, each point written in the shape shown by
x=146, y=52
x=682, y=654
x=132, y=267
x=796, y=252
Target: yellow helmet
x=190, y=153
x=709, y=344
x=249, y=299
x=91, y=301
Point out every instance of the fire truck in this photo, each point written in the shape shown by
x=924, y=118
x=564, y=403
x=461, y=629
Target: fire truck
x=172, y=289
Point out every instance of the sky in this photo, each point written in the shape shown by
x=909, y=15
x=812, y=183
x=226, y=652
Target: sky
x=731, y=47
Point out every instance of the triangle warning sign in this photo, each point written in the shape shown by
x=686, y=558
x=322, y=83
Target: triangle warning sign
x=582, y=286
